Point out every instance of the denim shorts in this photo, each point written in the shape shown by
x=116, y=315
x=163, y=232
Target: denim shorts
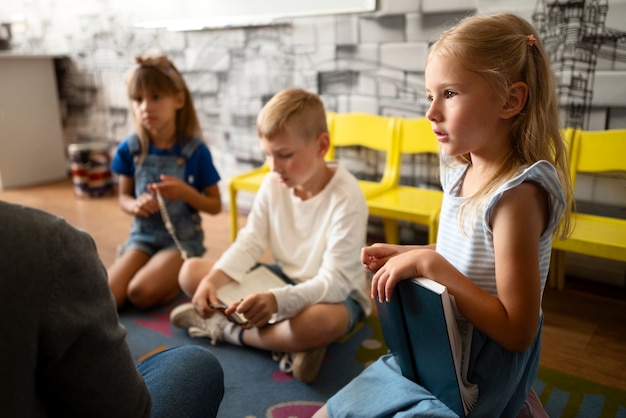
x=145, y=247
x=144, y=244
x=355, y=311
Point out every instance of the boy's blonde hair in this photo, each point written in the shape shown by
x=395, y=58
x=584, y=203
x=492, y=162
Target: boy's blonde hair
x=294, y=110
x=504, y=49
x=158, y=75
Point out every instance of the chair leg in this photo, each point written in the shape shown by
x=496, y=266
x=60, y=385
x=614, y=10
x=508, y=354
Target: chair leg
x=232, y=212
x=556, y=274
x=433, y=229
x=552, y=272
x=391, y=231
x=560, y=270
x=432, y=232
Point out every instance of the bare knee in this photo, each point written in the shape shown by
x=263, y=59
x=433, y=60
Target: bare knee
x=142, y=296
x=191, y=272
x=121, y=273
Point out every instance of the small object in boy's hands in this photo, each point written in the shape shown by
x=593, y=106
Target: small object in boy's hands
x=219, y=307
x=231, y=318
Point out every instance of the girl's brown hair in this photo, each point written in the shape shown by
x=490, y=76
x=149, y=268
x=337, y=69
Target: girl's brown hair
x=504, y=49
x=158, y=75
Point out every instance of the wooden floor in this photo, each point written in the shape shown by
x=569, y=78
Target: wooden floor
x=584, y=328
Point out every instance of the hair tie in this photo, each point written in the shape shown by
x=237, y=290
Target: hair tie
x=532, y=41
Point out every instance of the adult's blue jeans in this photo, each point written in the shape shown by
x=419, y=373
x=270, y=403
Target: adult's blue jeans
x=186, y=381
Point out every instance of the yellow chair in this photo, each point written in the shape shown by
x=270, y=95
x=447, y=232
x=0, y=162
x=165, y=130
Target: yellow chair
x=409, y=203
x=369, y=131
x=593, y=235
x=568, y=137
x=250, y=181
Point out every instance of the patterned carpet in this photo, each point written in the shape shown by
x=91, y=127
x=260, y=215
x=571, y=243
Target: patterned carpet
x=254, y=385
x=255, y=388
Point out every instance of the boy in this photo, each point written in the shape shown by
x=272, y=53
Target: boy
x=313, y=216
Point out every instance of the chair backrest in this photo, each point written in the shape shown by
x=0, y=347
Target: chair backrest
x=417, y=137
x=568, y=137
x=598, y=152
x=330, y=119
x=370, y=131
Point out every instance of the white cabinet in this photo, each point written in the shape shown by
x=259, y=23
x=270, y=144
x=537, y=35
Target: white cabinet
x=32, y=149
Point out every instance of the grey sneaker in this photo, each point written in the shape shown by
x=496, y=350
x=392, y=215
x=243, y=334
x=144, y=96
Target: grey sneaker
x=284, y=361
x=186, y=317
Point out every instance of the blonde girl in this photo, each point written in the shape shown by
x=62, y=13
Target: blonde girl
x=494, y=110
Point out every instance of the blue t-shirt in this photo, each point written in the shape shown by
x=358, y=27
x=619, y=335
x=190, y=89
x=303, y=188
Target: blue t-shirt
x=199, y=169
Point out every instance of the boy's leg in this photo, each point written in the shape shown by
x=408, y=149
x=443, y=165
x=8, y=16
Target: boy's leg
x=316, y=326
x=303, y=338
x=191, y=272
x=157, y=282
x=300, y=341
x=185, y=316
x=184, y=381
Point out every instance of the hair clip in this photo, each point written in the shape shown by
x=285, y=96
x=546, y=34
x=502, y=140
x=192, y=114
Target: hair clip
x=159, y=62
x=532, y=41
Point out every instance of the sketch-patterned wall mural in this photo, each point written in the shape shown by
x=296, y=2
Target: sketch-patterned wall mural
x=363, y=62
x=357, y=62
x=575, y=34
x=231, y=73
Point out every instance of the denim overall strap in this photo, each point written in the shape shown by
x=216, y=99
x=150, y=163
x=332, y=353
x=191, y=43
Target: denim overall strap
x=134, y=146
x=190, y=148
x=185, y=219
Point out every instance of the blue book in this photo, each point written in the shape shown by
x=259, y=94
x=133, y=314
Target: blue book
x=421, y=330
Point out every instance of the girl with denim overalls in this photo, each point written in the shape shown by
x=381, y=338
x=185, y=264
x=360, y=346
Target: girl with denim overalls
x=166, y=178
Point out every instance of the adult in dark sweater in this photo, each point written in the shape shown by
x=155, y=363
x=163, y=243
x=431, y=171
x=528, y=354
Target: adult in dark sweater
x=63, y=348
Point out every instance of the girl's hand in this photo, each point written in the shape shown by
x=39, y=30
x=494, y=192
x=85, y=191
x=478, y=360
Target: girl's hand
x=406, y=265
x=170, y=187
x=375, y=256
x=145, y=205
x=258, y=308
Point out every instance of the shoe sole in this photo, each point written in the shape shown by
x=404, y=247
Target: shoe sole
x=307, y=364
x=180, y=317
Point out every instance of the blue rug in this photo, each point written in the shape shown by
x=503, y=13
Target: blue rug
x=274, y=394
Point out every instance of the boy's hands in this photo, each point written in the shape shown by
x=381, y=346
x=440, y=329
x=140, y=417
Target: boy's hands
x=206, y=293
x=258, y=308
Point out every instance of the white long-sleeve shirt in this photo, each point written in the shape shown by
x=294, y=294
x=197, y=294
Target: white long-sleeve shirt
x=317, y=242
